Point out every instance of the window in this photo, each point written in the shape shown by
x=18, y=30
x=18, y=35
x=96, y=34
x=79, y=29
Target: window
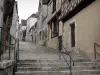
x=40, y=35
x=45, y=33
x=55, y=28
x=54, y=6
x=72, y=26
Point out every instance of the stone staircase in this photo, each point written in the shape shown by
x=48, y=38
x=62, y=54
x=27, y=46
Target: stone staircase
x=82, y=66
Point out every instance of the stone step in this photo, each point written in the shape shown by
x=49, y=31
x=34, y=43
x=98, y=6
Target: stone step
x=41, y=61
x=87, y=63
x=53, y=61
x=75, y=72
x=35, y=69
x=57, y=64
x=85, y=67
x=42, y=65
x=57, y=68
x=41, y=73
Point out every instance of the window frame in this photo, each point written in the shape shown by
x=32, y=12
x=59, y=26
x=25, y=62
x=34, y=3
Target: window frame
x=54, y=28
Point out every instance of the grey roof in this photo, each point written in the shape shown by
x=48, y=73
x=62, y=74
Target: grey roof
x=45, y=1
x=33, y=16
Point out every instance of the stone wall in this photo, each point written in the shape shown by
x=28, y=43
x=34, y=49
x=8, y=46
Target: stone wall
x=6, y=67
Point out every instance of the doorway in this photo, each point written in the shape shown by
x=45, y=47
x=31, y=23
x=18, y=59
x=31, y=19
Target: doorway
x=72, y=26
x=60, y=42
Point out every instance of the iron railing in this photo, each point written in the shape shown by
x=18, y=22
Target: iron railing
x=95, y=52
x=16, y=57
x=69, y=61
x=6, y=44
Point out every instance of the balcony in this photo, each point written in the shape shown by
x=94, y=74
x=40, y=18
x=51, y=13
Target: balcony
x=72, y=7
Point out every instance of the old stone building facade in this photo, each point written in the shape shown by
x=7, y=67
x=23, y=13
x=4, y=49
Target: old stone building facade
x=23, y=29
x=42, y=26
x=20, y=32
x=72, y=24
x=6, y=17
x=1, y=20
x=15, y=23
x=7, y=12
x=32, y=33
x=53, y=23
x=30, y=22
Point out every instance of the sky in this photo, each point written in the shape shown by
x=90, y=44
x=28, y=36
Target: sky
x=27, y=8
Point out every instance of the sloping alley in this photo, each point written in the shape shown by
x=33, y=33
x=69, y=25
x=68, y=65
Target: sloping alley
x=32, y=51
x=49, y=37
x=36, y=60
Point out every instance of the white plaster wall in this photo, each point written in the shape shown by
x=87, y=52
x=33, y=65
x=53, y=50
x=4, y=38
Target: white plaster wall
x=44, y=10
x=53, y=42
x=13, y=30
x=42, y=23
x=87, y=29
x=30, y=22
x=50, y=6
x=58, y=5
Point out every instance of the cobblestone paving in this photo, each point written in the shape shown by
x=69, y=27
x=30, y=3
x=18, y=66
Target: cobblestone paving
x=30, y=51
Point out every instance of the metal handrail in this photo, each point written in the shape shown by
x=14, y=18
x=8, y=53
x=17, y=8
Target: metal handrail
x=95, y=52
x=16, y=52
x=7, y=32
x=9, y=42
x=71, y=60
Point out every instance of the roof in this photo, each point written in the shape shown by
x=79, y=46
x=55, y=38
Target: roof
x=33, y=16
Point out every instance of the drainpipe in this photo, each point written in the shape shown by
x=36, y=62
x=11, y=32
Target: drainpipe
x=0, y=43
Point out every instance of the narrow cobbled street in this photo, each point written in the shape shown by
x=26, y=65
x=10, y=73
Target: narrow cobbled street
x=49, y=37
x=36, y=60
x=28, y=50
x=40, y=60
